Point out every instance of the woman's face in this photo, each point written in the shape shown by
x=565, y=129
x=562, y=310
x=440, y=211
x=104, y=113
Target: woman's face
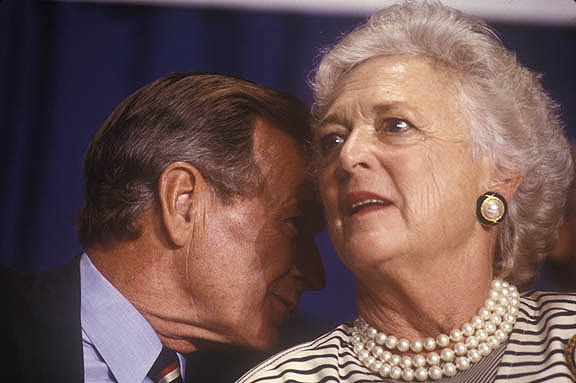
x=396, y=172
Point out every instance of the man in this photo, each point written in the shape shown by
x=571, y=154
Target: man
x=198, y=228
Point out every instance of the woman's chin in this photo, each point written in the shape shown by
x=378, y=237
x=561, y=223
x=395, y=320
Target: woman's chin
x=368, y=257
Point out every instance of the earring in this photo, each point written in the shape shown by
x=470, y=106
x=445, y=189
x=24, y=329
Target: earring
x=491, y=208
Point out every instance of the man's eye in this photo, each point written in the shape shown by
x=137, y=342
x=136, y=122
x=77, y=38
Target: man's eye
x=395, y=125
x=330, y=141
x=294, y=223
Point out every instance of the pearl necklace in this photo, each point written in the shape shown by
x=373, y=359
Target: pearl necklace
x=462, y=347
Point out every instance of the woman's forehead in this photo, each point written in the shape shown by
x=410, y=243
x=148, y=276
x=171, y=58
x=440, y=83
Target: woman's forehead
x=394, y=84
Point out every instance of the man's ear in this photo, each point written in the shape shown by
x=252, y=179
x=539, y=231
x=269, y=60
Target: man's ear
x=177, y=189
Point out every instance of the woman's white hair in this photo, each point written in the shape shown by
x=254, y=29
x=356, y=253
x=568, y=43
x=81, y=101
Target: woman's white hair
x=512, y=119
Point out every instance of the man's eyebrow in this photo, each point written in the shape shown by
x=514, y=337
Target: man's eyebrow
x=305, y=193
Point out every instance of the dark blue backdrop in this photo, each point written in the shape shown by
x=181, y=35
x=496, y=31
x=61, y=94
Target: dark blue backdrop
x=64, y=67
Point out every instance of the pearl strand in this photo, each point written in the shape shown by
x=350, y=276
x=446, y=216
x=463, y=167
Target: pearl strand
x=476, y=339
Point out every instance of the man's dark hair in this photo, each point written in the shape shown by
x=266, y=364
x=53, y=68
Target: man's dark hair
x=203, y=119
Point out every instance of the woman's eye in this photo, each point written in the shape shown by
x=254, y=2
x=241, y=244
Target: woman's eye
x=396, y=125
x=330, y=141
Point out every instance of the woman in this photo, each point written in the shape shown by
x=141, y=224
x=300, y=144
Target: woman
x=443, y=170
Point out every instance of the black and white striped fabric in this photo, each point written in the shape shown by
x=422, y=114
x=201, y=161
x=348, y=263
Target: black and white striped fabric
x=534, y=352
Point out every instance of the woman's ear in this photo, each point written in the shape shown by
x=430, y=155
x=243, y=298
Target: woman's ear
x=178, y=187
x=489, y=182
x=506, y=187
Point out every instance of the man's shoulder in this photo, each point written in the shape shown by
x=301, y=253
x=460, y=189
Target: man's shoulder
x=306, y=358
x=16, y=288
x=27, y=281
x=42, y=324
x=12, y=280
x=58, y=287
x=35, y=300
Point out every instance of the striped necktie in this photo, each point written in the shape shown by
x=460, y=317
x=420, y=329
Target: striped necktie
x=166, y=369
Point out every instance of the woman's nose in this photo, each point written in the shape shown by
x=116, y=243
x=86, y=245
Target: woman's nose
x=357, y=152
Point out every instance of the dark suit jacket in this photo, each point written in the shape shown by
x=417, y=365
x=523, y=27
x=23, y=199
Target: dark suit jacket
x=41, y=325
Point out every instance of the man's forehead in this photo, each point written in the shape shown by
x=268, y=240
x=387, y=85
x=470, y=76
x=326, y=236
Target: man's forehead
x=269, y=137
x=277, y=151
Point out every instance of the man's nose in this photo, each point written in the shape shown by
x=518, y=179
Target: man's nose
x=308, y=266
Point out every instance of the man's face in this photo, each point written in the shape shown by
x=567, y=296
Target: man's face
x=251, y=259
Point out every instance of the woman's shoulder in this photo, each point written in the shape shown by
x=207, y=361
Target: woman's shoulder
x=537, y=348
x=542, y=313
x=536, y=302
x=319, y=357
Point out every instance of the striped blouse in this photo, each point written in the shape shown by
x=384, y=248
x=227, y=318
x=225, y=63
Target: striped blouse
x=535, y=351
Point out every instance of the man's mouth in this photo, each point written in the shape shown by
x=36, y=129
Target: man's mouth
x=291, y=304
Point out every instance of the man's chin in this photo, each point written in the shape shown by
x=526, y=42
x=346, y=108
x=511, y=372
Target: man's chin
x=263, y=340
x=183, y=346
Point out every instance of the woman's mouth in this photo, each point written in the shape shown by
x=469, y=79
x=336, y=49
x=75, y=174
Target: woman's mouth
x=360, y=202
x=368, y=204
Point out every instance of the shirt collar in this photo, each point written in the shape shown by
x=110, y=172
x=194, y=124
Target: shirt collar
x=122, y=336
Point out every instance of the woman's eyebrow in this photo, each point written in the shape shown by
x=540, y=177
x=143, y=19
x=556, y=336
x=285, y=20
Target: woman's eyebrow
x=332, y=119
x=339, y=118
x=402, y=107
x=384, y=108
x=390, y=106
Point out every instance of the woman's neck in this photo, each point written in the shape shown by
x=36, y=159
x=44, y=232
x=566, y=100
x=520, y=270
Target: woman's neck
x=425, y=301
